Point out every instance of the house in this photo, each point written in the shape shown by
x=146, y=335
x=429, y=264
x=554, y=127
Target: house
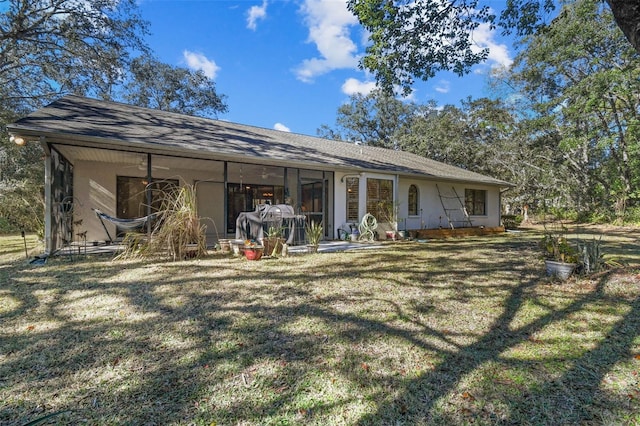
x=106, y=155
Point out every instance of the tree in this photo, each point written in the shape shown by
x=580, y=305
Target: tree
x=582, y=73
x=416, y=39
x=627, y=15
x=53, y=47
x=153, y=84
x=376, y=119
x=419, y=38
x=49, y=48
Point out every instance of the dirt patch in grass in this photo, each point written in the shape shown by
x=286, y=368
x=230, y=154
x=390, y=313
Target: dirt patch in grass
x=443, y=332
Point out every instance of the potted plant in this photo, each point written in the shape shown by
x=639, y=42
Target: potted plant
x=273, y=241
x=314, y=232
x=561, y=258
x=253, y=250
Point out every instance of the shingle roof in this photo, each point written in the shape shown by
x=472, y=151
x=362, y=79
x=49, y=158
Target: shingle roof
x=78, y=120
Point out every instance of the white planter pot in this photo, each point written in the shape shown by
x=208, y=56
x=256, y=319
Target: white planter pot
x=560, y=270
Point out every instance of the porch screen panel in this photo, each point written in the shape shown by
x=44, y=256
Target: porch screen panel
x=62, y=200
x=131, y=196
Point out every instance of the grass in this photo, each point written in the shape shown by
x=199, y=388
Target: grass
x=449, y=332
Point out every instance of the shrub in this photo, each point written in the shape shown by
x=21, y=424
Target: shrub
x=511, y=221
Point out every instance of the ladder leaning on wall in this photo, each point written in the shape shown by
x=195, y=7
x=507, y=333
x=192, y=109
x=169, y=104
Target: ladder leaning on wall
x=452, y=204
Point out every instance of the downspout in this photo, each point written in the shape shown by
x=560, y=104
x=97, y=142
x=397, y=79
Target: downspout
x=48, y=208
x=396, y=203
x=225, y=204
x=502, y=191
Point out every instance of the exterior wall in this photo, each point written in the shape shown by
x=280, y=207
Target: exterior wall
x=431, y=214
x=431, y=211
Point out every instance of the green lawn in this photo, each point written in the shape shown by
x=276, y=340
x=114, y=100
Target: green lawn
x=465, y=331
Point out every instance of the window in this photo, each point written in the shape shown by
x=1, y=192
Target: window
x=131, y=198
x=353, y=199
x=412, y=200
x=475, y=201
x=379, y=193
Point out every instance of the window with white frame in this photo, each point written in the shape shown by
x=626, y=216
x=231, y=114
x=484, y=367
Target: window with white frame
x=353, y=199
x=379, y=194
x=475, y=202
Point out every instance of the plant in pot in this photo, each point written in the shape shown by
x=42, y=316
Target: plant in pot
x=253, y=250
x=561, y=258
x=273, y=241
x=314, y=232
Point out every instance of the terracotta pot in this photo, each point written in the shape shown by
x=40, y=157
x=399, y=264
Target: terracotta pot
x=271, y=243
x=253, y=253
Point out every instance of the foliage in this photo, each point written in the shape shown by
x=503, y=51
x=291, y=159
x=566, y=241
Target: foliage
x=273, y=241
x=157, y=85
x=415, y=40
x=511, y=221
x=176, y=233
x=591, y=256
x=375, y=119
x=633, y=215
x=581, y=77
x=58, y=46
x=314, y=231
x=388, y=212
x=555, y=246
x=274, y=232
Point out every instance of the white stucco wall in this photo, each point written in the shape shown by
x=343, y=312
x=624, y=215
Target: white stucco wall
x=431, y=213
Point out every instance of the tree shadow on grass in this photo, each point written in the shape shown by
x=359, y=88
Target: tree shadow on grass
x=255, y=343
x=569, y=399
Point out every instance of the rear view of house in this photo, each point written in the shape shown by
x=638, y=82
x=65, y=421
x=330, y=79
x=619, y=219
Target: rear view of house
x=116, y=158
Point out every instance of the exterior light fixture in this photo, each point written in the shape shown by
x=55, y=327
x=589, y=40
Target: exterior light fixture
x=18, y=140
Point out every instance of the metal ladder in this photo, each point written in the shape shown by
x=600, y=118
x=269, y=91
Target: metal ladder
x=459, y=207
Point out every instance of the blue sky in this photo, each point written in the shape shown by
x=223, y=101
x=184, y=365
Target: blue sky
x=289, y=64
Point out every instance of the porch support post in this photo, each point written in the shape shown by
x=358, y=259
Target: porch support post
x=48, y=237
x=225, y=197
x=148, y=193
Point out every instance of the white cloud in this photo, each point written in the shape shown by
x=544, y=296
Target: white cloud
x=443, y=86
x=329, y=22
x=281, y=127
x=352, y=86
x=256, y=13
x=483, y=37
x=197, y=61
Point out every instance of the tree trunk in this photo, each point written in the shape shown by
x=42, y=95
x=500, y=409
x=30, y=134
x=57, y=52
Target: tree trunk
x=627, y=15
